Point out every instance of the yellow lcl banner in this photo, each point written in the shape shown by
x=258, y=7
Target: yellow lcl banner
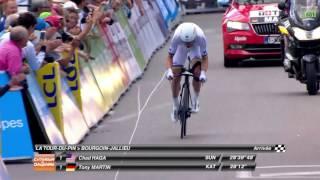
x=50, y=84
x=73, y=77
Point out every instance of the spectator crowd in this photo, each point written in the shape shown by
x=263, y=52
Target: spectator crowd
x=50, y=32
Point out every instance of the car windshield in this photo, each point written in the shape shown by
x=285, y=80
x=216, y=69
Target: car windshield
x=257, y=1
x=305, y=13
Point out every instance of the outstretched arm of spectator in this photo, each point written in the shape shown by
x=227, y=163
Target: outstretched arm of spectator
x=4, y=89
x=15, y=81
x=86, y=29
x=67, y=51
x=130, y=3
x=34, y=60
x=85, y=56
x=140, y=6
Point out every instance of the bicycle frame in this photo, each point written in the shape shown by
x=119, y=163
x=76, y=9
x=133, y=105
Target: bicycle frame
x=185, y=99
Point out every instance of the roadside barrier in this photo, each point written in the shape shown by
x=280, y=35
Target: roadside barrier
x=61, y=104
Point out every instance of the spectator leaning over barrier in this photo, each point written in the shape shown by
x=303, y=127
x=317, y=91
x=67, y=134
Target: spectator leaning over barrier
x=103, y=10
x=34, y=59
x=126, y=7
x=9, y=7
x=140, y=6
x=64, y=52
x=71, y=27
x=87, y=16
x=77, y=5
x=107, y=8
x=72, y=19
x=11, y=52
x=15, y=81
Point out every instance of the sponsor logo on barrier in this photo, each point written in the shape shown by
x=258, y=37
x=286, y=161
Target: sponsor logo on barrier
x=50, y=92
x=47, y=119
x=72, y=75
x=73, y=78
x=49, y=81
x=13, y=125
x=6, y=124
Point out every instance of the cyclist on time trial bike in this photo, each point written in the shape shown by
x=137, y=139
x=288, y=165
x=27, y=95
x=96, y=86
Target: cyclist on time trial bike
x=188, y=40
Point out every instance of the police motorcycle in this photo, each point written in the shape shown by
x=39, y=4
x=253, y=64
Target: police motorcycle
x=299, y=27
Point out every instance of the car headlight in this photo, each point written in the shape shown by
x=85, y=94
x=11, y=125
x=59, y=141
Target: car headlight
x=235, y=26
x=304, y=35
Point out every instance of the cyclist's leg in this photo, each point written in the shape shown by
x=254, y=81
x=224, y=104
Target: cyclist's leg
x=175, y=88
x=196, y=69
x=178, y=61
x=175, y=84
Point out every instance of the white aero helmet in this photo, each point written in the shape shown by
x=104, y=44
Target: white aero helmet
x=188, y=32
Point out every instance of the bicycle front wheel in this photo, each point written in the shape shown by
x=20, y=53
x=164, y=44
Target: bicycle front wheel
x=184, y=111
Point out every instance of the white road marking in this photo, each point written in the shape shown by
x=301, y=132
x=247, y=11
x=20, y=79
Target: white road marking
x=284, y=175
x=133, y=115
x=152, y=92
x=306, y=173
x=140, y=111
x=244, y=174
x=288, y=166
x=124, y=118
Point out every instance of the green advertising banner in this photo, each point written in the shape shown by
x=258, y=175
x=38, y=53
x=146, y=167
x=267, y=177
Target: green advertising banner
x=131, y=39
x=107, y=73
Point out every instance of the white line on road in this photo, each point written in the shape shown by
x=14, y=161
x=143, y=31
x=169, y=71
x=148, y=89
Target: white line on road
x=152, y=92
x=285, y=175
x=140, y=111
x=135, y=127
x=288, y=166
x=124, y=118
x=138, y=118
x=133, y=115
x=291, y=174
x=294, y=175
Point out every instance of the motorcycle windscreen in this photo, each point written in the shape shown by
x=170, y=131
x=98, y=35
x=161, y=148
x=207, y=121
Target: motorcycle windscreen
x=305, y=13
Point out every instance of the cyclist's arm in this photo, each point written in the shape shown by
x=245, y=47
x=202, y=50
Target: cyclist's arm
x=169, y=61
x=204, y=53
x=205, y=63
x=172, y=50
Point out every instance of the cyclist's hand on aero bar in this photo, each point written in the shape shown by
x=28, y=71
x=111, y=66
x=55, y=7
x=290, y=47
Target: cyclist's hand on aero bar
x=169, y=74
x=203, y=77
